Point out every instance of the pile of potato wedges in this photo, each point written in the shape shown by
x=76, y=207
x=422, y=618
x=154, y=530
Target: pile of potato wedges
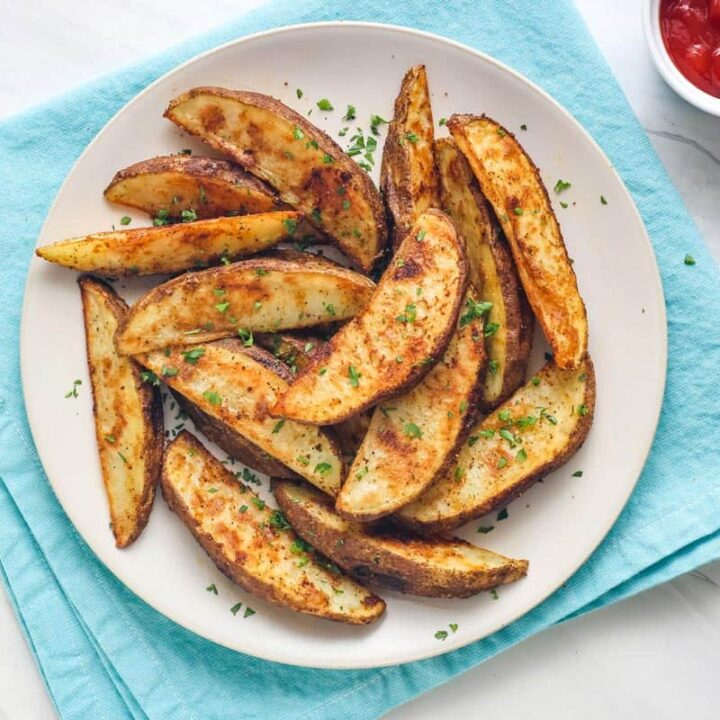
x=387, y=412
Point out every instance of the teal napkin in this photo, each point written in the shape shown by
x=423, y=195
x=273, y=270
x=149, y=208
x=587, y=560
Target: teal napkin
x=105, y=654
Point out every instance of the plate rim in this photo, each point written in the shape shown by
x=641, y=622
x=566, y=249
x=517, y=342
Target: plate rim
x=456, y=642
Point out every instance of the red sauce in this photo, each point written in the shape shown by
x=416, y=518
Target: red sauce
x=691, y=32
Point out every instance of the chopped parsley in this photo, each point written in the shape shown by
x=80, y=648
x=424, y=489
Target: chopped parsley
x=298, y=134
x=501, y=463
x=350, y=114
x=503, y=514
x=375, y=122
x=410, y=314
x=421, y=235
x=491, y=329
x=487, y=433
x=323, y=468
x=485, y=529
x=150, y=377
x=211, y=588
x=523, y=126
x=329, y=308
x=474, y=309
x=328, y=159
x=278, y=426
x=535, y=380
x=603, y=201
x=454, y=627
x=494, y=595
x=412, y=431
x=222, y=307
x=689, y=260
x=248, y=612
x=110, y=438
x=521, y=455
x=74, y=391
x=299, y=93
x=583, y=410
x=125, y=220
x=235, y=608
x=258, y=503
x=360, y=474
x=472, y=440
x=518, y=210
x=443, y=121
x=192, y=356
x=354, y=376
x=212, y=397
x=561, y=186
x=411, y=137
x=188, y=215
x=122, y=457
x=493, y=367
x=290, y=225
x=278, y=521
x=246, y=336
x=441, y=635
x=578, y=473
x=325, y=104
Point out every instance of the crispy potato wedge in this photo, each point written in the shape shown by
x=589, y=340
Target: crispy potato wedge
x=260, y=295
x=169, y=184
x=536, y=431
x=234, y=444
x=309, y=170
x=492, y=271
x=128, y=416
x=171, y=248
x=236, y=386
x=510, y=181
x=251, y=543
x=394, y=342
x=408, y=177
x=441, y=567
x=414, y=437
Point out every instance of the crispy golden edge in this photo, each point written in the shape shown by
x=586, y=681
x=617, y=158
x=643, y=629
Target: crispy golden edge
x=287, y=261
x=519, y=320
x=418, y=370
x=152, y=412
x=259, y=196
x=505, y=497
x=403, y=162
x=400, y=486
x=540, y=290
x=361, y=553
x=137, y=245
x=325, y=144
x=234, y=571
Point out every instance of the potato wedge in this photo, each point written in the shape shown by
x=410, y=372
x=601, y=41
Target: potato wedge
x=234, y=444
x=251, y=543
x=169, y=184
x=394, y=342
x=536, y=431
x=128, y=416
x=237, y=385
x=171, y=248
x=441, y=567
x=510, y=181
x=492, y=271
x=260, y=295
x=408, y=177
x=309, y=170
x=414, y=437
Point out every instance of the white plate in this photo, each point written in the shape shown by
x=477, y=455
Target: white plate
x=556, y=525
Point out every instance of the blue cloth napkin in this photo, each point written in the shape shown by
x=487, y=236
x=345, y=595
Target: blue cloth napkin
x=103, y=652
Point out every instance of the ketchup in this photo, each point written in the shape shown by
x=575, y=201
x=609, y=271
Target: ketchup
x=691, y=32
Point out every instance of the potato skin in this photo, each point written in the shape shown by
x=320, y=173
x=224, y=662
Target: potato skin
x=306, y=167
x=492, y=271
x=429, y=275
x=174, y=183
x=510, y=180
x=450, y=502
x=437, y=567
x=246, y=546
x=408, y=177
x=129, y=394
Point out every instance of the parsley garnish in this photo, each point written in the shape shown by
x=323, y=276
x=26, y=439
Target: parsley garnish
x=351, y=113
x=578, y=473
x=73, y=393
x=323, y=468
x=443, y=121
x=502, y=132
x=502, y=462
x=212, y=397
x=125, y=220
x=248, y=612
x=375, y=121
x=493, y=367
x=583, y=410
x=110, y=439
x=298, y=134
x=518, y=210
x=325, y=104
x=192, y=356
x=149, y=376
x=188, y=215
x=246, y=336
x=258, y=503
x=474, y=310
x=278, y=426
x=235, y=608
x=211, y=588
x=503, y=514
x=689, y=260
x=485, y=529
x=410, y=314
x=421, y=235
x=222, y=307
x=411, y=137
x=354, y=376
x=603, y=201
x=561, y=186
x=278, y=521
x=521, y=455
x=412, y=431
x=290, y=225
x=491, y=329
x=441, y=635
x=122, y=457
x=299, y=93
x=523, y=126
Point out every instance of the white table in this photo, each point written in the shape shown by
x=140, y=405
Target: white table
x=654, y=656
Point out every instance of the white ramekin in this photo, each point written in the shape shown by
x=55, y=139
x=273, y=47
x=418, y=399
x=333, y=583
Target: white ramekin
x=666, y=67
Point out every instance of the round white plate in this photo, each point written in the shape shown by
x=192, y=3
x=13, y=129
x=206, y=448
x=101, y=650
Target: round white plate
x=556, y=525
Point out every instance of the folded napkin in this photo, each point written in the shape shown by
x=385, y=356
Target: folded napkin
x=103, y=652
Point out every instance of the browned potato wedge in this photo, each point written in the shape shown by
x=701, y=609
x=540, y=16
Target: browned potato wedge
x=492, y=271
x=413, y=437
x=308, y=169
x=441, y=567
x=408, y=178
x=394, y=342
x=258, y=295
x=236, y=386
x=171, y=248
x=536, y=431
x=253, y=544
x=510, y=181
x=128, y=416
x=234, y=444
x=172, y=183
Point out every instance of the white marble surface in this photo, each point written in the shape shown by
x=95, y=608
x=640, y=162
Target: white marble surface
x=654, y=656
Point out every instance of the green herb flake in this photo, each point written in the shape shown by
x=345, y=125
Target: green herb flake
x=322, y=371
x=219, y=292
x=278, y=521
x=248, y=612
x=412, y=431
x=443, y=121
x=110, y=439
x=490, y=329
x=328, y=159
x=211, y=588
x=375, y=122
x=411, y=137
x=503, y=514
x=298, y=134
x=235, y=608
x=472, y=440
x=222, y=307
x=122, y=457
x=150, y=377
x=193, y=355
x=501, y=463
x=325, y=105
x=521, y=455
x=487, y=433
x=188, y=215
x=246, y=336
x=504, y=415
x=459, y=472
x=421, y=235
x=74, y=391
x=474, y=309
x=494, y=595
x=360, y=474
x=354, y=376
x=329, y=308
x=535, y=380
x=577, y=473
x=583, y=410
x=441, y=635
x=523, y=126
x=323, y=468
x=410, y=314
x=351, y=113
x=563, y=205
x=518, y=210
x=345, y=204
x=502, y=132
x=603, y=201
x=299, y=93
x=290, y=225
x=243, y=508
x=689, y=260
x=562, y=186
x=258, y=503
x=278, y=426
x=485, y=529
x=493, y=367
x=125, y=220
x=212, y=397
x=454, y=627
